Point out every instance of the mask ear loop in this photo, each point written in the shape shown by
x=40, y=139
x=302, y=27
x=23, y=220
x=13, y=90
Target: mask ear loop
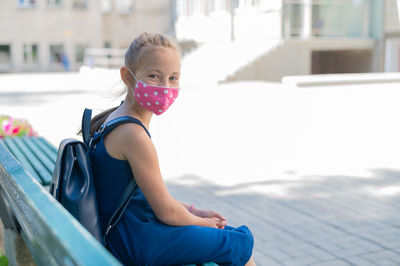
x=134, y=78
x=133, y=74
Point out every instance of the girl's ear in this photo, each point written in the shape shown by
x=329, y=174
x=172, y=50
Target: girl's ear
x=126, y=77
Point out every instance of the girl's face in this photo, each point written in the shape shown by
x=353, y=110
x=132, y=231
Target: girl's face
x=160, y=67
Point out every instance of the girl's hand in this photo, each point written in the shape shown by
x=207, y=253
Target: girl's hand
x=216, y=223
x=208, y=214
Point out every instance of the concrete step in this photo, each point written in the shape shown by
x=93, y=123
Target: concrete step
x=213, y=62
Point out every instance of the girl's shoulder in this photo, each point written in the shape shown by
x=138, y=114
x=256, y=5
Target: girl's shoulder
x=129, y=131
x=127, y=139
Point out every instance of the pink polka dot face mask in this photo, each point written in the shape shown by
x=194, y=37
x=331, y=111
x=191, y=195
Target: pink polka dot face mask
x=154, y=98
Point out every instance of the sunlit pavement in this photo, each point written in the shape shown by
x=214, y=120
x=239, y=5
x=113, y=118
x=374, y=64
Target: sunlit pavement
x=313, y=172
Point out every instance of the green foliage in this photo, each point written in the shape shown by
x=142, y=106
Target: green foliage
x=3, y=260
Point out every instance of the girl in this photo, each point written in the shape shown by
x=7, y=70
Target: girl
x=155, y=228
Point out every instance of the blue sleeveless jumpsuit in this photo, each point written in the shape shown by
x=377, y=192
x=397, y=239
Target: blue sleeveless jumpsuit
x=139, y=238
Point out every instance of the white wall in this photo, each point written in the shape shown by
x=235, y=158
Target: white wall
x=147, y=16
x=293, y=58
x=391, y=18
x=249, y=23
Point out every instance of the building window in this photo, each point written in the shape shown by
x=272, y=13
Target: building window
x=345, y=18
x=187, y=8
x=80, y=4
x=243, y=3
x=55, y=3
x=56, y=53
x=107, y=44
x=195, y=7
x=31, y=54
x=293, y=19
x=5, y=55
x=106, y=6
x=217, y=5
x=124, y=6
x=80, y=53
x=26, y=3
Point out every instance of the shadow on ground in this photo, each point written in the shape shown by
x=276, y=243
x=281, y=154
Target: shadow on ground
x=346, y=219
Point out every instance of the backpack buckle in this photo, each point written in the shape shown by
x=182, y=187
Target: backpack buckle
x=102, y=128
x=90, y=142
x=107, y=230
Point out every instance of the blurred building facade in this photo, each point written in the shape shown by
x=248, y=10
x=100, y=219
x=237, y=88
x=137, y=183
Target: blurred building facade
x=251, y=39
x=300, y=37
x=53, y=35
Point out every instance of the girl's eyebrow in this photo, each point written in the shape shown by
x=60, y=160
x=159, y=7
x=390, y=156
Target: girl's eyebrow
x=153, y=69
x=159, y=71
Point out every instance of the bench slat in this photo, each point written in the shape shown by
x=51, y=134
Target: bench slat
x=46, y=148
x=52, y=235
x=14, y=149
x=48, y=145
x=46, y=162
x=43, y=173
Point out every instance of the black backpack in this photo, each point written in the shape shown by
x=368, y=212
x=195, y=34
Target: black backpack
x=73, y=182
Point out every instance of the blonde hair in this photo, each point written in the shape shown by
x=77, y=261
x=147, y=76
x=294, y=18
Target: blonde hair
x=141, y=43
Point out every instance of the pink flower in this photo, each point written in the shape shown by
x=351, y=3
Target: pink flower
x=7, y=127
x=10, y=127
x=16, y=130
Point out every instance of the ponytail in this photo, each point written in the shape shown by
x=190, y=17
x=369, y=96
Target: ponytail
x=99, y=119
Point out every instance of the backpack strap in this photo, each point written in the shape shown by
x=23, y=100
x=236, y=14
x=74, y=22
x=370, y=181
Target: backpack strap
x=90, y=142
x=111, y=125
x=132, y=186
x=121, y=120
x=120, y=209
x=86, y=120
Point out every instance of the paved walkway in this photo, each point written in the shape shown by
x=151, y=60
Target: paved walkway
x=324, y=220
x=313, y=172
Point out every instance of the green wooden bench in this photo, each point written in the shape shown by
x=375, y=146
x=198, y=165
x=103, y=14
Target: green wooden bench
x=35, y=154
x=36, y=227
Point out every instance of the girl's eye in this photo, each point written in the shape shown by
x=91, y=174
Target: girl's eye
x=174, y=78
x=153, y=76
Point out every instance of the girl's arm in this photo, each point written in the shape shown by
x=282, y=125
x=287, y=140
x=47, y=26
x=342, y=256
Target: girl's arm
x=138, y=149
